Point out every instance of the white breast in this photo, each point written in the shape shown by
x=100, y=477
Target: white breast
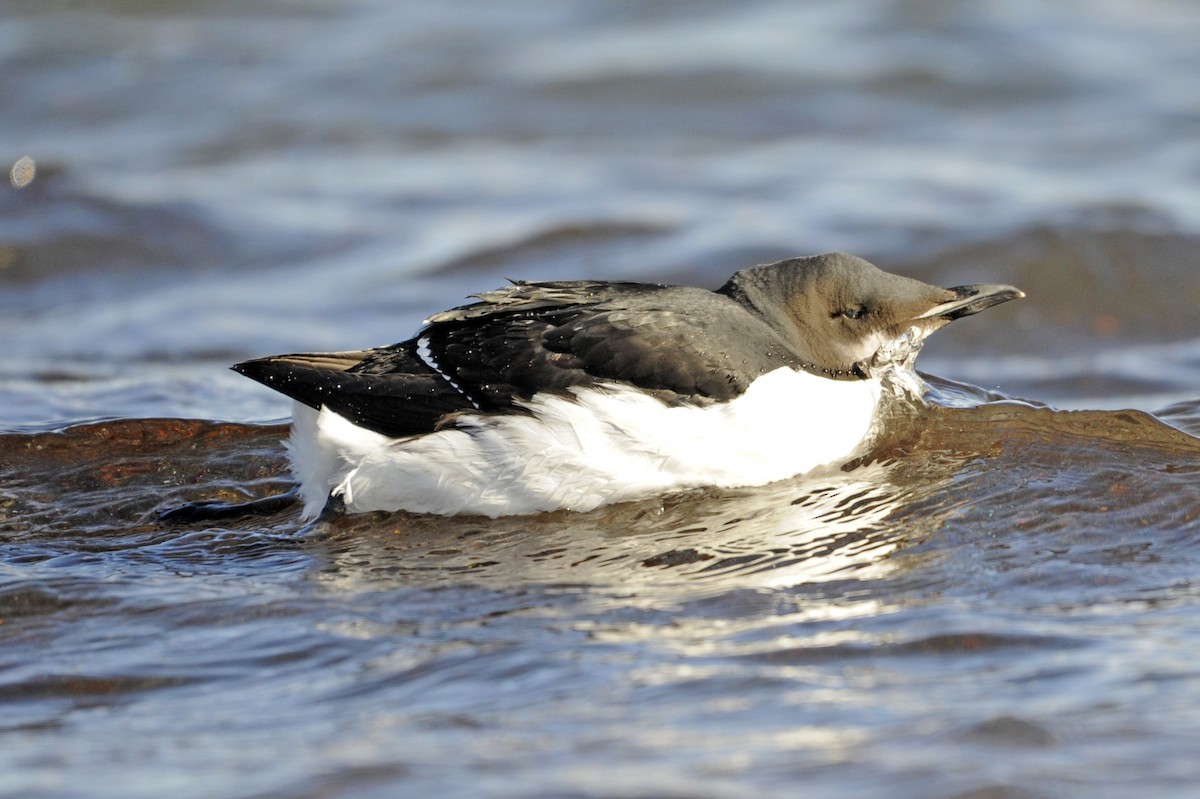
x=599, y=445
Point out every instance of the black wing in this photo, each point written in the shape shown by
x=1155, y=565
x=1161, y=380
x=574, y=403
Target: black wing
x=409, y=400
x=686, y=345
x=683, y=345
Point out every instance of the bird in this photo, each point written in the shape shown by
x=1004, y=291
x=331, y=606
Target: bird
x=572, y=394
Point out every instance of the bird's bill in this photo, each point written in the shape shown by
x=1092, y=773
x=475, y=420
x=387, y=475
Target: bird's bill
x=971, y=300
x=902, y=350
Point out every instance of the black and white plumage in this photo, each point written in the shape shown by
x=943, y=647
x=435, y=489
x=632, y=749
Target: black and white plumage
x=571, y=394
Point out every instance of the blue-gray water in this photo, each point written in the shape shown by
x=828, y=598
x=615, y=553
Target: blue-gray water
x=1000, y=602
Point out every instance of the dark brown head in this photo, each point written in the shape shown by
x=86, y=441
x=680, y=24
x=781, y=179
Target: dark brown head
x=845, y=317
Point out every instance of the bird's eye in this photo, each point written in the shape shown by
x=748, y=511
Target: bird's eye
x=857, y=312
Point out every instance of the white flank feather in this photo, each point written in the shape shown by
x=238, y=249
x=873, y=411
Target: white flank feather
x=600, y=445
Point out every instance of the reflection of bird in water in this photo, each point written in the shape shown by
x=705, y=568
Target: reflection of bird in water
x=829, y=525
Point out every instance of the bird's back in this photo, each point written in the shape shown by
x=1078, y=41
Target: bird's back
x=681, y=345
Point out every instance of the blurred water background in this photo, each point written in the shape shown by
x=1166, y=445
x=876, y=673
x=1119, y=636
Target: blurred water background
x=1002, y=604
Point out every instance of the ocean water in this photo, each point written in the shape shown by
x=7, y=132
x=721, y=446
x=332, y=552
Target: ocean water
x=999, y=601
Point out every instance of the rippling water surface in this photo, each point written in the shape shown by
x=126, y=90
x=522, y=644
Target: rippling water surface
x=999, y=601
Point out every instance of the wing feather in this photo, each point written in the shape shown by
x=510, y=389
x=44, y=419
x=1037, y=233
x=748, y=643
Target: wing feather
x=684, y=345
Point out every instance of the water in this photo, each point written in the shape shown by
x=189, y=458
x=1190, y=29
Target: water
x=999, y=602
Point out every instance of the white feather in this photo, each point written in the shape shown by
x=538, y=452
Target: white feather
x=600, y=445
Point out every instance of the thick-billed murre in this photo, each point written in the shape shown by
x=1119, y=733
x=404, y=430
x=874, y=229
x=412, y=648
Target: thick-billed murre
x=572, y=394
